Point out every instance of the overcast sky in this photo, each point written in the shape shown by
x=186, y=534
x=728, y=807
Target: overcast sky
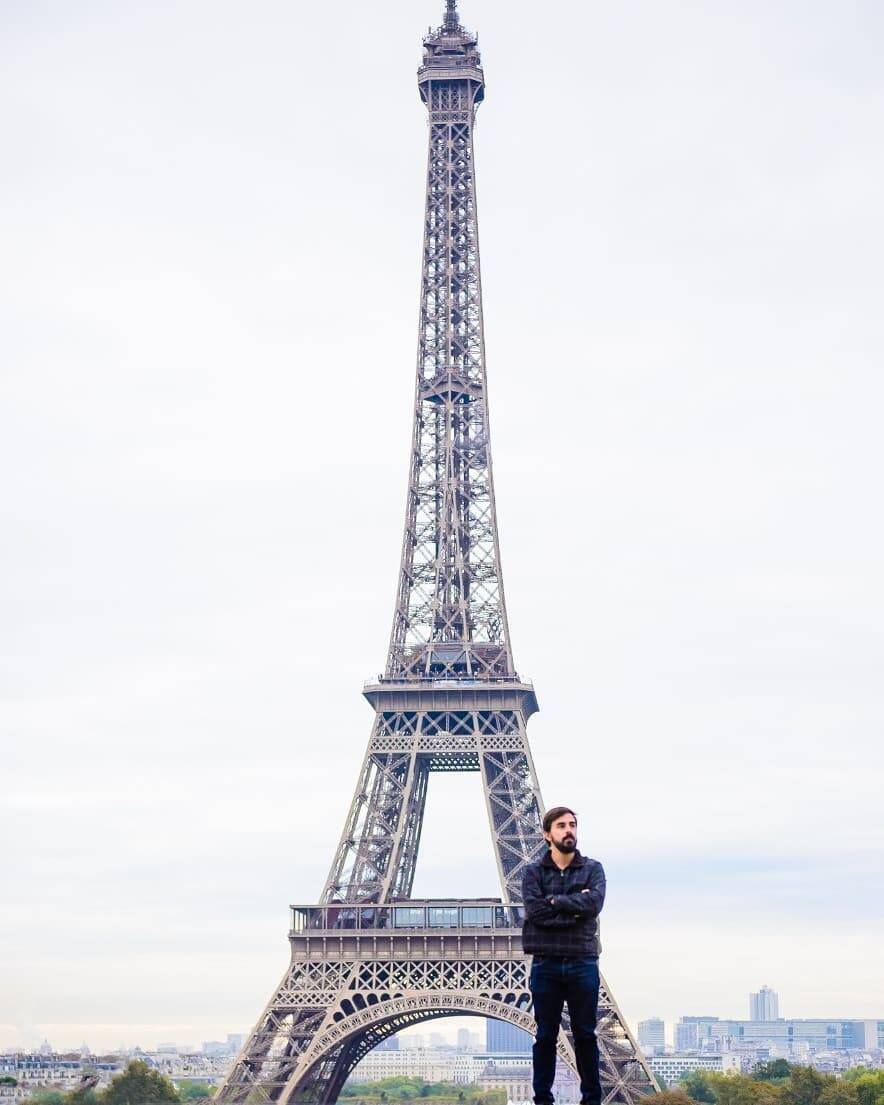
x=211, y=217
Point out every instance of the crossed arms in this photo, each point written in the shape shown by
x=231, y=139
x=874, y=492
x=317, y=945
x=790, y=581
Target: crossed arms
x=562, y=910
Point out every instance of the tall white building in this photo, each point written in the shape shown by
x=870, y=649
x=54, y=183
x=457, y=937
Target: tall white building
x=469, y=1041
x=687, y=1034
x=652, y=1035
x=765, y=1005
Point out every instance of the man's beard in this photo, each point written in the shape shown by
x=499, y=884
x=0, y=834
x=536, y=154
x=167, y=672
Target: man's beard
x=568, y=845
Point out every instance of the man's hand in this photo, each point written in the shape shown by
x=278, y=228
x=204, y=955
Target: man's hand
x=542, y=910
x=552, y=901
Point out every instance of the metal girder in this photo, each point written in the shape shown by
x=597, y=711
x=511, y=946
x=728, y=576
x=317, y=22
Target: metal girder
x=450, y=616
x=377, y=854
x=326, y=1016
x=450, y=700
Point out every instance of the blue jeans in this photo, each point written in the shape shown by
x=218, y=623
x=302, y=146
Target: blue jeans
x=554, y=982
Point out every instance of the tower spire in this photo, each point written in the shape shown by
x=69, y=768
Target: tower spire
x=450, y=619
x=452, y=22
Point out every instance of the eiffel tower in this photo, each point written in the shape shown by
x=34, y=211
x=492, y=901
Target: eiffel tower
x=368, y=959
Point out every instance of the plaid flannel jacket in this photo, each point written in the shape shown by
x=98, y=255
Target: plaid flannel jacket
x=560, y=920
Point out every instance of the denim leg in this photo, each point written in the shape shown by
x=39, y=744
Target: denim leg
x=582, y=994
x=548, y=997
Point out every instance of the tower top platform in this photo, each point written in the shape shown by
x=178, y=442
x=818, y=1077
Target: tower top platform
x=451, y=54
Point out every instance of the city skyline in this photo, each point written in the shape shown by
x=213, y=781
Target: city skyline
x=449, y=1028
x=176, y=533
x=463, y=1033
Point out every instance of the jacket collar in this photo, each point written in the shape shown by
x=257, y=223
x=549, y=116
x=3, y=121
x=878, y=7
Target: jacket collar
x=577, y=861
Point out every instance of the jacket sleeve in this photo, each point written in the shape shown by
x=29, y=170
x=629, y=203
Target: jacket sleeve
x=537, y=908
x=588, y=902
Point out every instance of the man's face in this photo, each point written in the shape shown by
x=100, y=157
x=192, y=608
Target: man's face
x=563, y=833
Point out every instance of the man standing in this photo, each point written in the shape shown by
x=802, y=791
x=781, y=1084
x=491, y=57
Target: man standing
x=563, y=894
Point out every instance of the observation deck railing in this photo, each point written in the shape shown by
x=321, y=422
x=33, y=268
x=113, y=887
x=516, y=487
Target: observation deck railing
x=447, y=682
x=427, y=915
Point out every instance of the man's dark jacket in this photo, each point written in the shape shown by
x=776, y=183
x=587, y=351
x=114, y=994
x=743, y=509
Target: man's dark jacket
x=567, y=927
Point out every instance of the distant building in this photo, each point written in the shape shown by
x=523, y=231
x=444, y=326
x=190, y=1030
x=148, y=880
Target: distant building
x=517, y=1083
x=765, y=1005
x=390, y=1044
x=501, y=1037
x=671, y=1067
x=448, y=1065
x=651, y=1035
x=431, y=1064
x=412, y=1041
x=795, y=1038
x=35, y=1072
x=687, y=1034
x=514, y=1075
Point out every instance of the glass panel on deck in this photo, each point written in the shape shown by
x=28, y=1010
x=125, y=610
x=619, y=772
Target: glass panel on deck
x=408, y=917
x=442, y=917
x=477, y=916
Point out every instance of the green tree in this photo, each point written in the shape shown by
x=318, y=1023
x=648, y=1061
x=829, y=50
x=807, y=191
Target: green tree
x=739, y=1089
x=869, y=1084
x=45, y=1097
x=193, y=1091
x=669, y=1097
x=804, y=1086
x=774, y=1070
x=8, y=1080
x=140, y=1085
x=838, y=1092
x=696, y=1085
x=84, y=1095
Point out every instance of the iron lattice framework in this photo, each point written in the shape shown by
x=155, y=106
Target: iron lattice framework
x=450, y=615
x=450, y=699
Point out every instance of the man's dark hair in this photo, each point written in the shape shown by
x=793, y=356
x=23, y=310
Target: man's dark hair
x=554, y=814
